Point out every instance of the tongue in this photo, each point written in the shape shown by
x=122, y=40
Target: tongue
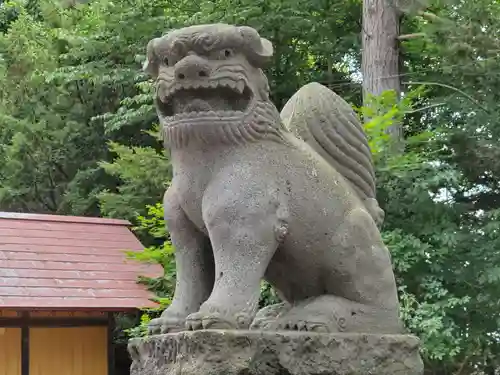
x=197, y=105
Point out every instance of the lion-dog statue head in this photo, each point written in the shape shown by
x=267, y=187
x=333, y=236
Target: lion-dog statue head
x=210, y=86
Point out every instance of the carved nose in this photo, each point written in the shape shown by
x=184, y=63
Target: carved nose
x=192, y=67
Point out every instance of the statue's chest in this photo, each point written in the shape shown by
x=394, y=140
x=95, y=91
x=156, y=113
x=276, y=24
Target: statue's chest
x=190, y=188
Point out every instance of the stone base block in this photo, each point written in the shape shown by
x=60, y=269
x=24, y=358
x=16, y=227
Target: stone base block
x=217, y=352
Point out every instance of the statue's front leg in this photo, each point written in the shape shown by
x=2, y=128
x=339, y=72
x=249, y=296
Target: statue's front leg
x=244, y=239
x=194, y=269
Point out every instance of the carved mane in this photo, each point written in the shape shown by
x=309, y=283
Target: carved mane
x=263, y=122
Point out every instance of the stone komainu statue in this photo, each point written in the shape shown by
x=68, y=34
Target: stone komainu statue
x=257, y=195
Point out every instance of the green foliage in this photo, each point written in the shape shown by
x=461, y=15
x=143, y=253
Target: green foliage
x=268, y=295
x=152, y=224
x=144, y=174
x=141, y=330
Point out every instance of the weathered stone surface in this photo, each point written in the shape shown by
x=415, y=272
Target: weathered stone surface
x=256, y=194
x=215, y=352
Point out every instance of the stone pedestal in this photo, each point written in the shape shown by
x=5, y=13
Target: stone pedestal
x=214, y=352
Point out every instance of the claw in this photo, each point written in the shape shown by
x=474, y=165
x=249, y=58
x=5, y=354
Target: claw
x=262, y=326
x=193, y=322
x=301, y=326
x=165, y=328
x=213, y=318
x=216, y=322
x=154, y=326
x=319, y=328
x=165, y=325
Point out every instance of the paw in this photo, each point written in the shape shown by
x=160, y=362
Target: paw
x=301, y=325
x=212, y=317
x=263, y=324
x=267, y=316
x=167, y=323
x=199, y=320
x=304, y=318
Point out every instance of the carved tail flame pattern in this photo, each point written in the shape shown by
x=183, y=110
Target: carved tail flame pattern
x=329, y=125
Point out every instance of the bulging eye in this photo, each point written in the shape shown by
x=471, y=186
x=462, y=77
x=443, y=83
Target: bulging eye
x=170, y=60
x=223, y=54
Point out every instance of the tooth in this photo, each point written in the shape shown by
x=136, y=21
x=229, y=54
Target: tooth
x=240, y=86
x=165, y=93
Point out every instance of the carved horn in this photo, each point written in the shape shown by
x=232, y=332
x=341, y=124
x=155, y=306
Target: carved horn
x=151, y=65
x=259, y=50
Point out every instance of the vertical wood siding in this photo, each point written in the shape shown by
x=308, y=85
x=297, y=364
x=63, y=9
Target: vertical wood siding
x=10, y=351
x=68, y=351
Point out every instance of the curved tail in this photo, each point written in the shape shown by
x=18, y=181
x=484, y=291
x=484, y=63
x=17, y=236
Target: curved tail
x=329, y=125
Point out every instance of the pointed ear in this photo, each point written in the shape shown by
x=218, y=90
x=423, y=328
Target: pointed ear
x=266, y=51
x=151, y=65
x=259, y=50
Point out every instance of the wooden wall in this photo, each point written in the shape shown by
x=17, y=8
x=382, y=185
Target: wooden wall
x=68, y=351
x=10, y=351
x=75, y=350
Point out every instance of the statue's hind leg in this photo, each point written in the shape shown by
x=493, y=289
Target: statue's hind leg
x=358, y=269
x=336, y=314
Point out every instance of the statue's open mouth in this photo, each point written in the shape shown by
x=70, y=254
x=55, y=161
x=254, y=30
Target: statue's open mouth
x=221, y=99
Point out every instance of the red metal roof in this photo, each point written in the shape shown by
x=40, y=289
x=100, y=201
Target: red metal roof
x=69, y=262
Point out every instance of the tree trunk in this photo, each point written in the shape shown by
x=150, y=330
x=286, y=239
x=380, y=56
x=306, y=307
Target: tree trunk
x=380, y=59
